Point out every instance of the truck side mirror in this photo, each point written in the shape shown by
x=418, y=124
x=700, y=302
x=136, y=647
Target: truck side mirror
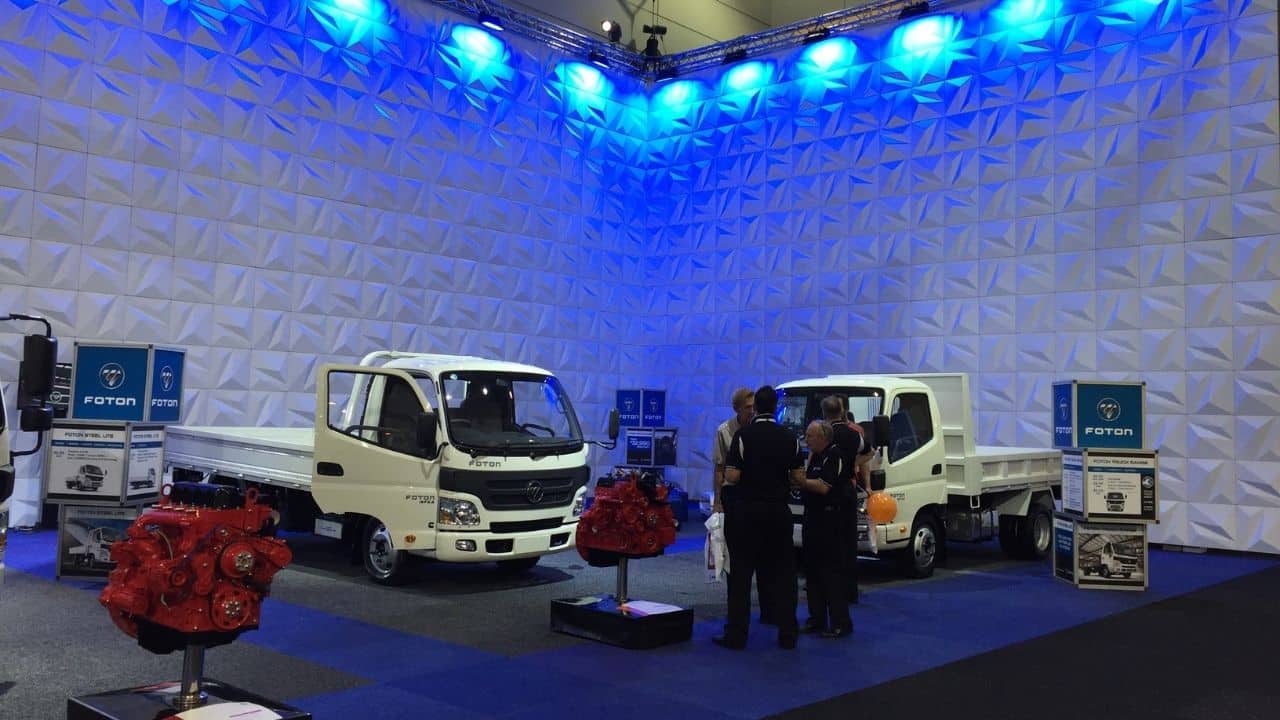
x=613, y=424
x=39, y=354
x=426, y=431
x=877, y=480
x=36, y=418
x=880, y=435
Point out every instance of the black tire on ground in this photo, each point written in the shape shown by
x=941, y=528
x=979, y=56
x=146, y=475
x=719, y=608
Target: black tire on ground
x=382, y=562
x=1009, y=528
x=921, y=554
x=513, y=567
x=1035, y=533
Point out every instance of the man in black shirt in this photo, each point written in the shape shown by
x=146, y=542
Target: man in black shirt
x=853, y=449
x=764, y=463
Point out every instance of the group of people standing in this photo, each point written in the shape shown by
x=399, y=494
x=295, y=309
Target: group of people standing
x=757, y=464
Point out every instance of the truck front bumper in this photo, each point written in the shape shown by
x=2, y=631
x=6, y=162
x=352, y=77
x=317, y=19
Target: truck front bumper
x=483, y=546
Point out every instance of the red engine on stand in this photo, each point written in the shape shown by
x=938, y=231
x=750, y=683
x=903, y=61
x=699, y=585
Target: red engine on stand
x=195, y=568
x=630, y=518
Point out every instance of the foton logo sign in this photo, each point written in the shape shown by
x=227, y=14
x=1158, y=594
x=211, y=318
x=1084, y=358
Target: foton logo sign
x=1109, y=412
x=110, y=383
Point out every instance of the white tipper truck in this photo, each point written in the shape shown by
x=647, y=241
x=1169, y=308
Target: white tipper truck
x=457, y=458
x=39, y=353
x=946, y=487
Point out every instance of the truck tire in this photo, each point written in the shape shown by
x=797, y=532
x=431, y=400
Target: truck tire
x=1035, y=533
x=921, y=554
x=382, y=562
x=517, y=566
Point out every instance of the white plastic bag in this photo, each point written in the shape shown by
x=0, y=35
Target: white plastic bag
x=715, y=552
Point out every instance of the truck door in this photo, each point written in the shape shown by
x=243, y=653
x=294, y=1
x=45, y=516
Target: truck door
x=916, y=454
x=369, y=458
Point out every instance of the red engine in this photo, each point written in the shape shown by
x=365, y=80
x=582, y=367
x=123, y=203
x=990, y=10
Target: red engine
x=194, y=568
x=629, y=518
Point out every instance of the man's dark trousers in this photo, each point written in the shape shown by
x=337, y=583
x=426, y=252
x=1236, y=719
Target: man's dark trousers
x=759, y=538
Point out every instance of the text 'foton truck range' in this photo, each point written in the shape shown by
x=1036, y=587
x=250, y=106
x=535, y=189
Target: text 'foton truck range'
x=460, y=459
x=945, y=485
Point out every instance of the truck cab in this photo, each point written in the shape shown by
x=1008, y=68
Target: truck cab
x=1115, y=560
x=88, y=478
x=460, y=459
x=944, y=485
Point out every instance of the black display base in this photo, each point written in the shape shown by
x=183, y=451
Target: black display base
x=156, y=701
x=600, y=619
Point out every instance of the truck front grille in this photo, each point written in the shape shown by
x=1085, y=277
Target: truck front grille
x=533, y=490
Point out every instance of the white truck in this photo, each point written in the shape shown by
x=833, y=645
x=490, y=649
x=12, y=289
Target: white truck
x=946, y=487
x=460, y=459
x=39, y=353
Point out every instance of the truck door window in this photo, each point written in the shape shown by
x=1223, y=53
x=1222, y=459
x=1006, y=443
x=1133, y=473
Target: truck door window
x=397, y=426
x=910, y=425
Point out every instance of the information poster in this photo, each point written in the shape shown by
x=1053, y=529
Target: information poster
x=664, y=446
x=85, y=535
x=1121, y=486
x=86, y=463
x=146, y=462
x=1111, y=556
x=1064, y=549
x=1073, y=482
x=639, y=447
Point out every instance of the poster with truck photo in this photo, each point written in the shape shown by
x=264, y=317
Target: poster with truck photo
x=146, y=461
x=85, y=535
x=85, y=463
x=1111, y=556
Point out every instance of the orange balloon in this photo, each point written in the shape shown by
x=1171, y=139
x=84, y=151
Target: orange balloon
x=881, y=507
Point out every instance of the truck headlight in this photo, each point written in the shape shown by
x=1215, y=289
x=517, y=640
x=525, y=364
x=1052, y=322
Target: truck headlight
x=579, y=504
x=458, y=512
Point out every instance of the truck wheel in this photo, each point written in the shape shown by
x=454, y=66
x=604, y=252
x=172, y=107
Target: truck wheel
x=921, y=554
x=384, y=564
x=517, y=566
x=1104, y=572
x=1035, y=533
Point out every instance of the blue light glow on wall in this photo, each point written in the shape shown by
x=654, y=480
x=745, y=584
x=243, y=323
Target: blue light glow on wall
x=827, y=56
x=353, y=22
x=480, y=63
x=749, y=77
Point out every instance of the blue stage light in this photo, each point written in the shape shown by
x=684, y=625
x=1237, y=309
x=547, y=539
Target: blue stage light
x=1018, y=14
x=928, y=34
x=478, y=43
x=585, y=78
x=350, y=22
x=748, y=77
x=828, y=55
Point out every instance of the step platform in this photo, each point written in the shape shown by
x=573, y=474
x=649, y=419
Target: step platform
x=635, y=625
x=154, y=702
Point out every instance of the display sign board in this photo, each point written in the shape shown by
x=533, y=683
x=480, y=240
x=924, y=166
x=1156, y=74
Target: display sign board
x=1089, y=414
x=664, y=446
x=86, y=463
x=166, y=385
x=85, y=535
x=653, y=408
x=1111, y=485
x=628, y=404
x=110, y=382
x=146, y=462
x=1110, y=556
x=639, y=446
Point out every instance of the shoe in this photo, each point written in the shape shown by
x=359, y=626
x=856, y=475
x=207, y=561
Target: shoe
x=812, y=627
x=787, y=642
x=728, y=644
x=838, y=632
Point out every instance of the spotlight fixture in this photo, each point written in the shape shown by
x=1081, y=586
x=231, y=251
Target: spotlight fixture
x=914, y=9
x=651, y=46
x=491, y=21
x=612, y=30
x=817, y=34
x=597, y=58
x=735, y=55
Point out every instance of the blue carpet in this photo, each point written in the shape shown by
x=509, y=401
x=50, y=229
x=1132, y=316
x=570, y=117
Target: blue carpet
x=902, y=630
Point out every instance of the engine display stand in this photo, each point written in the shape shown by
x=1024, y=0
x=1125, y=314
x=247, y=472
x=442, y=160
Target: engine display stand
x=167, y=700
x=622, y=621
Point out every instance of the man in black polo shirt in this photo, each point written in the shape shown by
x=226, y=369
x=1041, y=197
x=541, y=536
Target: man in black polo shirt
x=764, y=462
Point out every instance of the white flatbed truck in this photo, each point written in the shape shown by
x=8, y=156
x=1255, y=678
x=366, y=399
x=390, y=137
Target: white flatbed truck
x=946, y=487
x=460, y=459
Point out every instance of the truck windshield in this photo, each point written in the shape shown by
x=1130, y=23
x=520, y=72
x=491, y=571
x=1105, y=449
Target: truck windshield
x=799, y=406
x=507, y=413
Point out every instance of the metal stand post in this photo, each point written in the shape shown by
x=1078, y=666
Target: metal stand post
x=621, y=595
x=190, y=695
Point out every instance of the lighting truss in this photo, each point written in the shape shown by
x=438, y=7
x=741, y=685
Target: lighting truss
x=629, y=62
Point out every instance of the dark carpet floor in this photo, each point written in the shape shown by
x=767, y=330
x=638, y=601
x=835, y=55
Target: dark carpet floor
x=1207, y=655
